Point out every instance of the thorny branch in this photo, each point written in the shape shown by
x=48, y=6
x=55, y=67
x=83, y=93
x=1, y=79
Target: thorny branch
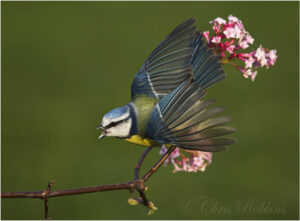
x=137, y=184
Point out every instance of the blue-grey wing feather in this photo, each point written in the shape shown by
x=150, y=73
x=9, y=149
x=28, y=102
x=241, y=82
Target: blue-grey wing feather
x=168, y=65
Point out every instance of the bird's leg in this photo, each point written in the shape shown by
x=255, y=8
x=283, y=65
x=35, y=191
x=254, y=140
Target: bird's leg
x=138, y=166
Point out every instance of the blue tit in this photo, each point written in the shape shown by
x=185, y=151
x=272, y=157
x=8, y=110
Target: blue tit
x=167, y=97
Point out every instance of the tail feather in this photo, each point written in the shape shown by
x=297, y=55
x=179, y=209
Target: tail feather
x=209, y=133
x=217, y=141
x=205, y=125
x=194, y=119
x=182, y=119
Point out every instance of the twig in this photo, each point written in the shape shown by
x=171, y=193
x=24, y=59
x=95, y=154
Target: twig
x=50, y=184
x=137, y=184
x=158, y=164
x=56, y=193
x=146, y=202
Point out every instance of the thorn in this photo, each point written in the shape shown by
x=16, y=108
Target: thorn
x=50, y=184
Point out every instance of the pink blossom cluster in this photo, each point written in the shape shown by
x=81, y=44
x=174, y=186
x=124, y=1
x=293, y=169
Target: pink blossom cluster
x=229, y=37
x=192, y=161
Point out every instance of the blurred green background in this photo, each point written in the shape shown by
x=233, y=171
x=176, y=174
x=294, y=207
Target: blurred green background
x=65, y=64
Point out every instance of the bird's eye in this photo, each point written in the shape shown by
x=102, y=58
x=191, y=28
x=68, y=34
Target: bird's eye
x=112, y=124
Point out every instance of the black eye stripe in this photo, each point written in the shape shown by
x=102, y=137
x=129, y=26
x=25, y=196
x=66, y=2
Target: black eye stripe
x=113, y=124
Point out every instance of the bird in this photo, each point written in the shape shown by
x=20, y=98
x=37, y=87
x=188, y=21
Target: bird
x=167, y=97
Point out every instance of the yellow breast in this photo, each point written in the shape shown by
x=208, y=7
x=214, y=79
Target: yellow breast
x=145, y=142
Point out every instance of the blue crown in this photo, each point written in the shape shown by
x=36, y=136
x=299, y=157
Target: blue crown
x=118, y=112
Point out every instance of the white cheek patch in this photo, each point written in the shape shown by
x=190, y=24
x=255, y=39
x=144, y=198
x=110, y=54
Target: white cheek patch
x=120, y=130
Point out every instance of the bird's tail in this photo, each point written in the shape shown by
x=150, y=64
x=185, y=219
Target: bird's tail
x=206, y=64
x=181, y=118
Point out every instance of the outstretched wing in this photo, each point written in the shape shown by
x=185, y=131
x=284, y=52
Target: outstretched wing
x=181, y=118
x=181, y=56
x=169, y=64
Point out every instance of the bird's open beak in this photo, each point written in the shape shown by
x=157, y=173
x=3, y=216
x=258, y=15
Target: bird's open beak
x=100, y=127
x=102, y=135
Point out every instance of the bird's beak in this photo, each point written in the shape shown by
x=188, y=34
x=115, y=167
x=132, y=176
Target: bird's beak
x=102, y=135
x=100, y=127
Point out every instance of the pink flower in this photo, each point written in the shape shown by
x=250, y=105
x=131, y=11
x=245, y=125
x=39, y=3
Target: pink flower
x=233, y=18
x=216, y=39
x=248, y=73
x=243, y=44
x=219, y=21
x=260, y=53
x=240, y=25
x=191, y=161
x=264, y=62
x=259, y=58
x=230, y=49
x=249, y=62
x=272, y=57
x=245, y=38
x=272, y=54
x=173, y=155
x=238, y=32
x=206, y=36
x=249, y=39
x=200, y=160
x=229, y=37
x=229, y=33
x=253, y=75
x=265, y=59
